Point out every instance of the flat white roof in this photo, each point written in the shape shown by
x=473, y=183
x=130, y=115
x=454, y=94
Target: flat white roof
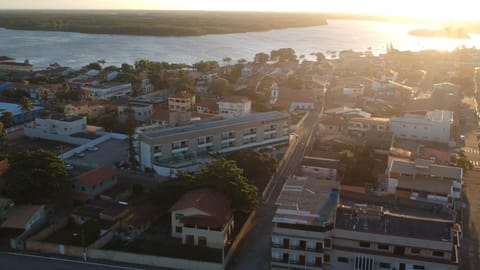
x=14, y=108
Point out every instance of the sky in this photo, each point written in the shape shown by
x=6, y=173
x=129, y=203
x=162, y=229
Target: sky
x=439, y=10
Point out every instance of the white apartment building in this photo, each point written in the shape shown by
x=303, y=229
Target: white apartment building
x=362, y=125
x=217, y=136
x=59, y=125
x=108, y=91
x=234, y=106
x=181, y=102
x=423, y=180
x=371, y=238
x=435, y=126
x=303, y=224
x=312, y=231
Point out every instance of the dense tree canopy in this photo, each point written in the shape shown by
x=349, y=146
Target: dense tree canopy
x=3, y=136
x=222, y=175
x=206, y=66
x=35, y=177
x=261, y=58
x=461, y=160
x=257, y=167
x=359, y=163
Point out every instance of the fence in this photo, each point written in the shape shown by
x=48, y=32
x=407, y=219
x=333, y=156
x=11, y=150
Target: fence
x=36, y=133
x=156, y=261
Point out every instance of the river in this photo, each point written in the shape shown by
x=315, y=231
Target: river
x=76, y=49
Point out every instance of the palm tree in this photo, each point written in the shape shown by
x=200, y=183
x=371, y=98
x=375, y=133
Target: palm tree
x=6, y=118
x=26, y=104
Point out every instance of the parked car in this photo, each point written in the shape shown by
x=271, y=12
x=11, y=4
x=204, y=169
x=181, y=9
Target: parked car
x=79, y=154
x=92, y=148
x=68, y=167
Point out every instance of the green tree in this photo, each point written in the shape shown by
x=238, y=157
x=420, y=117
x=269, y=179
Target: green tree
x=461, y=160
x=94, y=65
x=359, y=163
x=261, y=58
x=36, y=177
x=257, y=167
x=86, y=233
x=284, y=55
x=130, y=126
x=26, y=104
x=126, y=68
x=6, y=118
x=3, y=135
x=320, y=57
x=206, y=66
x=225, y=176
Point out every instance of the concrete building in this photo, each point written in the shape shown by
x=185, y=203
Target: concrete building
x=59, y=124
x=108, y=91
x=234, y=106
x=321, y=168
x=303, y=224
x=371, y=238
x=423, y=180
x=11, y=65
x=360, y=125
x=181, y=102
x=311, y=230
x=90, y=109
x=142, y=112
x=435, y=126
x=218, y=136
x=202, y=217
x=92, y=183
x=20, y=116
x=353, y=90
x=348, y=112
x=20, y=222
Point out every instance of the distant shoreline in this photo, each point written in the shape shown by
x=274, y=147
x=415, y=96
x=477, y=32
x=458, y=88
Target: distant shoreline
x=145, y=23
x=439, y=33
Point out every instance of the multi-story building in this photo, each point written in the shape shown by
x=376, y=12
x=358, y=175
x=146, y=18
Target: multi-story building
x=202, y=217
x=217, y=136
x=90, y=109
x=234, y=106
x=311, y=230
x=423, y=180
x=435, y=126
x=303, y=224
x=181, y=102
x=108, y=91
x=372, y=238
x=362, y=125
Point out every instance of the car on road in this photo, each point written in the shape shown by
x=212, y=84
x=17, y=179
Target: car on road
x=69, y=167
x=462, y=137
x=79, y=154
x=92, y=148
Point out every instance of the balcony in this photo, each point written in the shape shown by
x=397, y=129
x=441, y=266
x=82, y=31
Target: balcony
x=179, y=150
x=249, y=135
x=270, y=131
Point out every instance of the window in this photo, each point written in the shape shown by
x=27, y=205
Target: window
x=202, y=241
x=178, y=229
x=384, y=265
x=327, y=243
x=157, y=149
x=438, y=253
x=382, y=246
x=178, y=216
x=364, y=244
x=342, y=259
x=83, y=188
x=415, y=250
x=418, y=267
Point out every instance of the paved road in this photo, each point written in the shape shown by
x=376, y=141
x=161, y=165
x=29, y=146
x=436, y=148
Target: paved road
x=254, y=250
x=470, y=244
x=16, y=261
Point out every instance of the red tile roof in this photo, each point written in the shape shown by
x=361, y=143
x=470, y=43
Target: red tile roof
x=95, y=177
x=208, y=200
x=78, y=196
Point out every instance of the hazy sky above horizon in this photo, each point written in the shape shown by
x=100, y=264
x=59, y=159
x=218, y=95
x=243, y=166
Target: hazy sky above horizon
x=420, y=9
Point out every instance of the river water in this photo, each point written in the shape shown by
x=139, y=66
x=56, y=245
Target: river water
x=76, y=49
